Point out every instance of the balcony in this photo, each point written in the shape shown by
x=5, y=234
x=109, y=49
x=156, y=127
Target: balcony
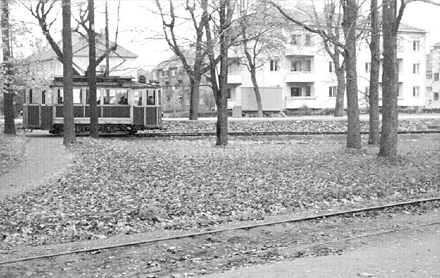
x=300, y=76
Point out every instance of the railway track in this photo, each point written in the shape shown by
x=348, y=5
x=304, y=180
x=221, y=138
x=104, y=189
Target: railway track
x=347, y=213
x=262, y=133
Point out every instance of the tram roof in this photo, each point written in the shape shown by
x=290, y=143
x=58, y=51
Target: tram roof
x=106, y=81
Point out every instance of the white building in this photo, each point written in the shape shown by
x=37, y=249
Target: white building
x=122, y=62
x=304, y=76
x=432, y=77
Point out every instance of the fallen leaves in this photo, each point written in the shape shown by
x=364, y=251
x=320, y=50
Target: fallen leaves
x=124, y=186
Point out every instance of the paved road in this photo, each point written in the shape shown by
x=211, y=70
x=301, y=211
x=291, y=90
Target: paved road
x=410, y=253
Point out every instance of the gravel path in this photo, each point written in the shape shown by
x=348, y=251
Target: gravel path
x=45, y=158
x=409, y=253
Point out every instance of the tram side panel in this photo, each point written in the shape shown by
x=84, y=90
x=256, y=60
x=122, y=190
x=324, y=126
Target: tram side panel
x=46, y=113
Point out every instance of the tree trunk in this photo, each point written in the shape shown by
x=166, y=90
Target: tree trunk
x=340, y=95
x=8, y=93
x=349, y=24
x=373, y=97
x=94, y=127
x=222, y=99
x=195, y=96
x=388, y=139
x=253, y=72
x=69, y=124
x=257, y=93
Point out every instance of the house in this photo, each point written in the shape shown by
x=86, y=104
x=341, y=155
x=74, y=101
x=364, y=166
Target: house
x=122, y=62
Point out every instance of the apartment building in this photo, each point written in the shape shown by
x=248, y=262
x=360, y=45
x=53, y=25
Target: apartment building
x=304, y=76
x=432, y=77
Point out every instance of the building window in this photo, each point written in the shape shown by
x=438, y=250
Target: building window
x=308, y=91
x=367, y=67
x=399, y=66
x=308, y=41
x=295, y=39
x=416, y=68
x=295, y=91
x=301, y=65
x=173, y=72
x=400, y=44
x=436, y=76
x=429, y=75
x=428, y=90
x=436, y=96
x=273, y=65
x=416, y=91
x=332, y=91
x=167, y=84
x=229, y=93
x=367, y=90
x=164, y=73
x=305, y=91
x=416, y=45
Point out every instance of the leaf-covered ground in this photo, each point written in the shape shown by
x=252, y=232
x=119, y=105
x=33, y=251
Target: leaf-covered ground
x=11, y=151
x=123, y=186
x=327, y=124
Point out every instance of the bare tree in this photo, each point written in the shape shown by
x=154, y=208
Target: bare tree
x=327, y=26
x=350, y=28
x=69, y=124
x=94, y=125
x=373, y=95
x=222, y=33
x=196, y=68
x=390, y=26
x=259, y=33
x=349, y=24
x=8, y=93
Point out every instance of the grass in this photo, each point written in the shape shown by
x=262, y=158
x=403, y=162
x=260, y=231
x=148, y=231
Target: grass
x=193, y=184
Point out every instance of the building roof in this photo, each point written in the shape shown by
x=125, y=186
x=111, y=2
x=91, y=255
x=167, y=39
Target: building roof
x=174, y=61
x=80, y=49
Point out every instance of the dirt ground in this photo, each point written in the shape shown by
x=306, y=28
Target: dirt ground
x=336, y=247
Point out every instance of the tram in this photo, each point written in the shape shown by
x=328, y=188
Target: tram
x=124, y=105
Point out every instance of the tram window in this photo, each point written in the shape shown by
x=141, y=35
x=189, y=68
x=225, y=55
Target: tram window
x=122, y=96
x=43, y=97
x=151, y=97
x=60, y=96
x=138, y=98
x=109, y=96
x=34, y=97
x=159, y=97
x=77, y=94
x=30, y=96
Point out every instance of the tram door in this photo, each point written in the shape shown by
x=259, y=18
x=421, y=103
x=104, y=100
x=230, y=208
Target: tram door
x=138, y=107
x=36, y=112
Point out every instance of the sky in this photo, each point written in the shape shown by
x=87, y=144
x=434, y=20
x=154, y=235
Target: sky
x=140, y=28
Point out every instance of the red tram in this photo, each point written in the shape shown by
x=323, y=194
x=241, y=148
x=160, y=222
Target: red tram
x=124, y=106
